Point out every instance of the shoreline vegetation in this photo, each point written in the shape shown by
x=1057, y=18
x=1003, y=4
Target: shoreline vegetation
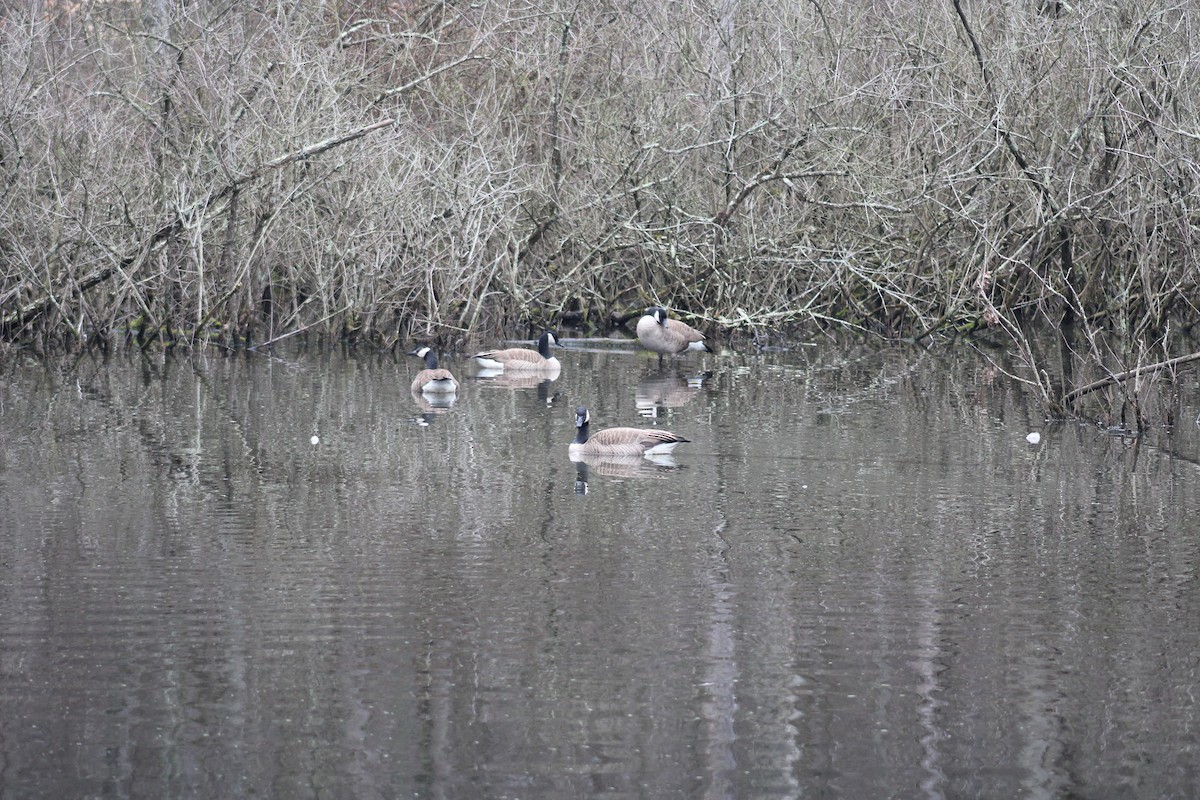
x=378, y=172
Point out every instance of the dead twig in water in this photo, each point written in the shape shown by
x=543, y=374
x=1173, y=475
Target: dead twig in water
x=1118, y=377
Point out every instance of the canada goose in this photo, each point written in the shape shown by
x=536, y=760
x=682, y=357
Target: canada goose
x=431, y=379
x=521, y=359
x=668, y=336
x=619, y=441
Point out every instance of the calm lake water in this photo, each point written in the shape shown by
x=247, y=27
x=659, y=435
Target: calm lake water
x=858, y=580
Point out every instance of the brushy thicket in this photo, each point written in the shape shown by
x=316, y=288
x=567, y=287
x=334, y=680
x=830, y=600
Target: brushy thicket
x=382, y=171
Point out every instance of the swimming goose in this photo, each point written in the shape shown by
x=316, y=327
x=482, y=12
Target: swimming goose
x=668, y=336
x=619, y=441
x=432, y=380
x=521, y=359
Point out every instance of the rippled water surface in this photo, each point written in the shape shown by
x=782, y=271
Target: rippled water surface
x=858, y=580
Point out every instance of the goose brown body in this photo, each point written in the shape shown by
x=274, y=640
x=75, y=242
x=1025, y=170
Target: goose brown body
x=521, y=359
x=620, y=441
x=432, y=379
x=668, y=336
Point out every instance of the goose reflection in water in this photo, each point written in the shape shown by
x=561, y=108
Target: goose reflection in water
x=432, y=405
x=659, y=391
x=542, y=381
x=649, y=466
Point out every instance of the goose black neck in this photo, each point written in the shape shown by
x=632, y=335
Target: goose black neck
x=544, y=346
x=431, y=361
x=581, y=433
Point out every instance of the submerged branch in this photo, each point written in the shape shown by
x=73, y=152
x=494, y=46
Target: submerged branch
x=1118, y=377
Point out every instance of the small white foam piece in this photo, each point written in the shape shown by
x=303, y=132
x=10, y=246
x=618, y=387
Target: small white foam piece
x=1033, y=437
x=315, y=439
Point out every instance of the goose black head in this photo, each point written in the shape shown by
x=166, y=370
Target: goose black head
x=429, y=356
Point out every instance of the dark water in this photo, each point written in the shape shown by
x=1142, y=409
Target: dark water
x=859, y=580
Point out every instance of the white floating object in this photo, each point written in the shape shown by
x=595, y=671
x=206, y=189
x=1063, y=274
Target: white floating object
x=1033, y=438
x=315, y=440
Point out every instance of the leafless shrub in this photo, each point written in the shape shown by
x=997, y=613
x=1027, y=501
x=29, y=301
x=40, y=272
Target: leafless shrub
x=376, y=170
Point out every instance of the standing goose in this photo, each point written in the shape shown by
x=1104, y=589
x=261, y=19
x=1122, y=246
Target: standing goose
x=619, y=441
x=668, y=336
x=522, y=359
x=432, y=380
